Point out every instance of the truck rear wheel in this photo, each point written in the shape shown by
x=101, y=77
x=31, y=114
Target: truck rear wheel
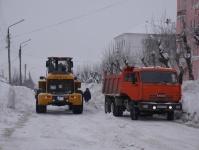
x=134, y=113
x=107, y=106
x=117, y=110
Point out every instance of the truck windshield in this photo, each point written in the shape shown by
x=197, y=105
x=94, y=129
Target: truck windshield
x=158, y=77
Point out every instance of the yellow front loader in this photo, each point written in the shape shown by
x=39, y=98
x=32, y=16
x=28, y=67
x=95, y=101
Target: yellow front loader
x=59, y=87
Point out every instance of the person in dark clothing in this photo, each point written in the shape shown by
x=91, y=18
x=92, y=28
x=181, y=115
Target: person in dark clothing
x=87, y=95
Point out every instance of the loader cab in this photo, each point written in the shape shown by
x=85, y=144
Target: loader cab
x=59, y=64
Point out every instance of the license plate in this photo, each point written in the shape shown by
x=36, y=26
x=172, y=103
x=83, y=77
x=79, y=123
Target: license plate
x=161, y=106
x=60, y=98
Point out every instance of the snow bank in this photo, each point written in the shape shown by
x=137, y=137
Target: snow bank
x=14, y=101
x=190, y=102
x=97, y=98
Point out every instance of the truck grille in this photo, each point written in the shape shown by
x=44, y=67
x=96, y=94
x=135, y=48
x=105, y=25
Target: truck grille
x=157, y=98
x=55, y=86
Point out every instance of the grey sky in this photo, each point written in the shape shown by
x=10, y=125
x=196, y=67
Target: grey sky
x=83, y=38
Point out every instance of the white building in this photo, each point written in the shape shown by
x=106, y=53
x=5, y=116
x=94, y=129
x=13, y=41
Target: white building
x=132, y=40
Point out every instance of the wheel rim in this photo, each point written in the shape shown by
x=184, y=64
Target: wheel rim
x=112, y=107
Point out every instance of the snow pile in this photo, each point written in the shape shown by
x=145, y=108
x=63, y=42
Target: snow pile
x=3, y=80
x=190, y=102
x=14, y=100
x=97, y=98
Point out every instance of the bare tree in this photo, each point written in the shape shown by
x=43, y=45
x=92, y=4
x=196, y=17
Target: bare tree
x=89, y=73
x=114, y=58
x=160, y=46
x=183, y=38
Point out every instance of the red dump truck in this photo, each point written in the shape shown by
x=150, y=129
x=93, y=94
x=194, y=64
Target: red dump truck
x=147, y=91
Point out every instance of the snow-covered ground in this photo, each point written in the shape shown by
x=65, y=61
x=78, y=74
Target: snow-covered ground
x=23, y=129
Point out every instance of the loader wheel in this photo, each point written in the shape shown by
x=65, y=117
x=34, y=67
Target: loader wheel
x=41, y=109
x=78, y=109
x=134, y=113
x=82, y=105
x=70, y=107
x=170, y=115
x=37, y=107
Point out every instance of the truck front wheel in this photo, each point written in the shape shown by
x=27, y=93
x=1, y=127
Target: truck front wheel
x=134, y=113
x=170, y=115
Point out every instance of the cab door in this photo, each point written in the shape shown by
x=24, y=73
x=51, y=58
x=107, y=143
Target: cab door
x=130, y=85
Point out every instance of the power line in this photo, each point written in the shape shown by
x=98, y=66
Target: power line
x=69, y=20
x=11, y=61
x=2, y=21
x=2, y=48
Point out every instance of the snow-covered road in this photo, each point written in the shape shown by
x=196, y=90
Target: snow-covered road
x=59, y=129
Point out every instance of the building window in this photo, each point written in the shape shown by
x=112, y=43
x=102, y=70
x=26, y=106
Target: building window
x=193, y=3
x=184, y=4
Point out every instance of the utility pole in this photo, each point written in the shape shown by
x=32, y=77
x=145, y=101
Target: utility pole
x=25, y=72
x=20, y=66
x=20, y=60
x=9, y=65
x=8, y=42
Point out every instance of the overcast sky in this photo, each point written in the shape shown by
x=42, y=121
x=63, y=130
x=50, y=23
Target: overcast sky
x=81, y=29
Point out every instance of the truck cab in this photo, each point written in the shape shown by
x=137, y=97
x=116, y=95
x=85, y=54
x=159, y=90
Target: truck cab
x=147, y=90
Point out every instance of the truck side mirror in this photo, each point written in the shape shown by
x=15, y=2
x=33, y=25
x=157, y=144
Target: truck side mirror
x=71, y=64
x=42, y=78
x=181, y=76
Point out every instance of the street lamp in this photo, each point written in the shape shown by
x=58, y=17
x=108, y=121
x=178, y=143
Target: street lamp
x=8, y=41
x=20, y=59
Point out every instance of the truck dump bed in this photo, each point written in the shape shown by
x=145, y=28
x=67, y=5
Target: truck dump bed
x=112, y=84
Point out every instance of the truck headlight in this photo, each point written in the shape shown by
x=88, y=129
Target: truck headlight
x=53, y=87
x=170, y=107
x=154, y=107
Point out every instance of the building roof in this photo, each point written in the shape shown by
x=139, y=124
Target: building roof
x=145, y=28
x=148, y=27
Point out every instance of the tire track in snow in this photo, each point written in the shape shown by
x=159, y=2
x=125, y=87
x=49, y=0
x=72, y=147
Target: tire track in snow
x=9, y=131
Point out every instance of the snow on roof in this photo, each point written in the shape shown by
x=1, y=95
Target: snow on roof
x=144, y=28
